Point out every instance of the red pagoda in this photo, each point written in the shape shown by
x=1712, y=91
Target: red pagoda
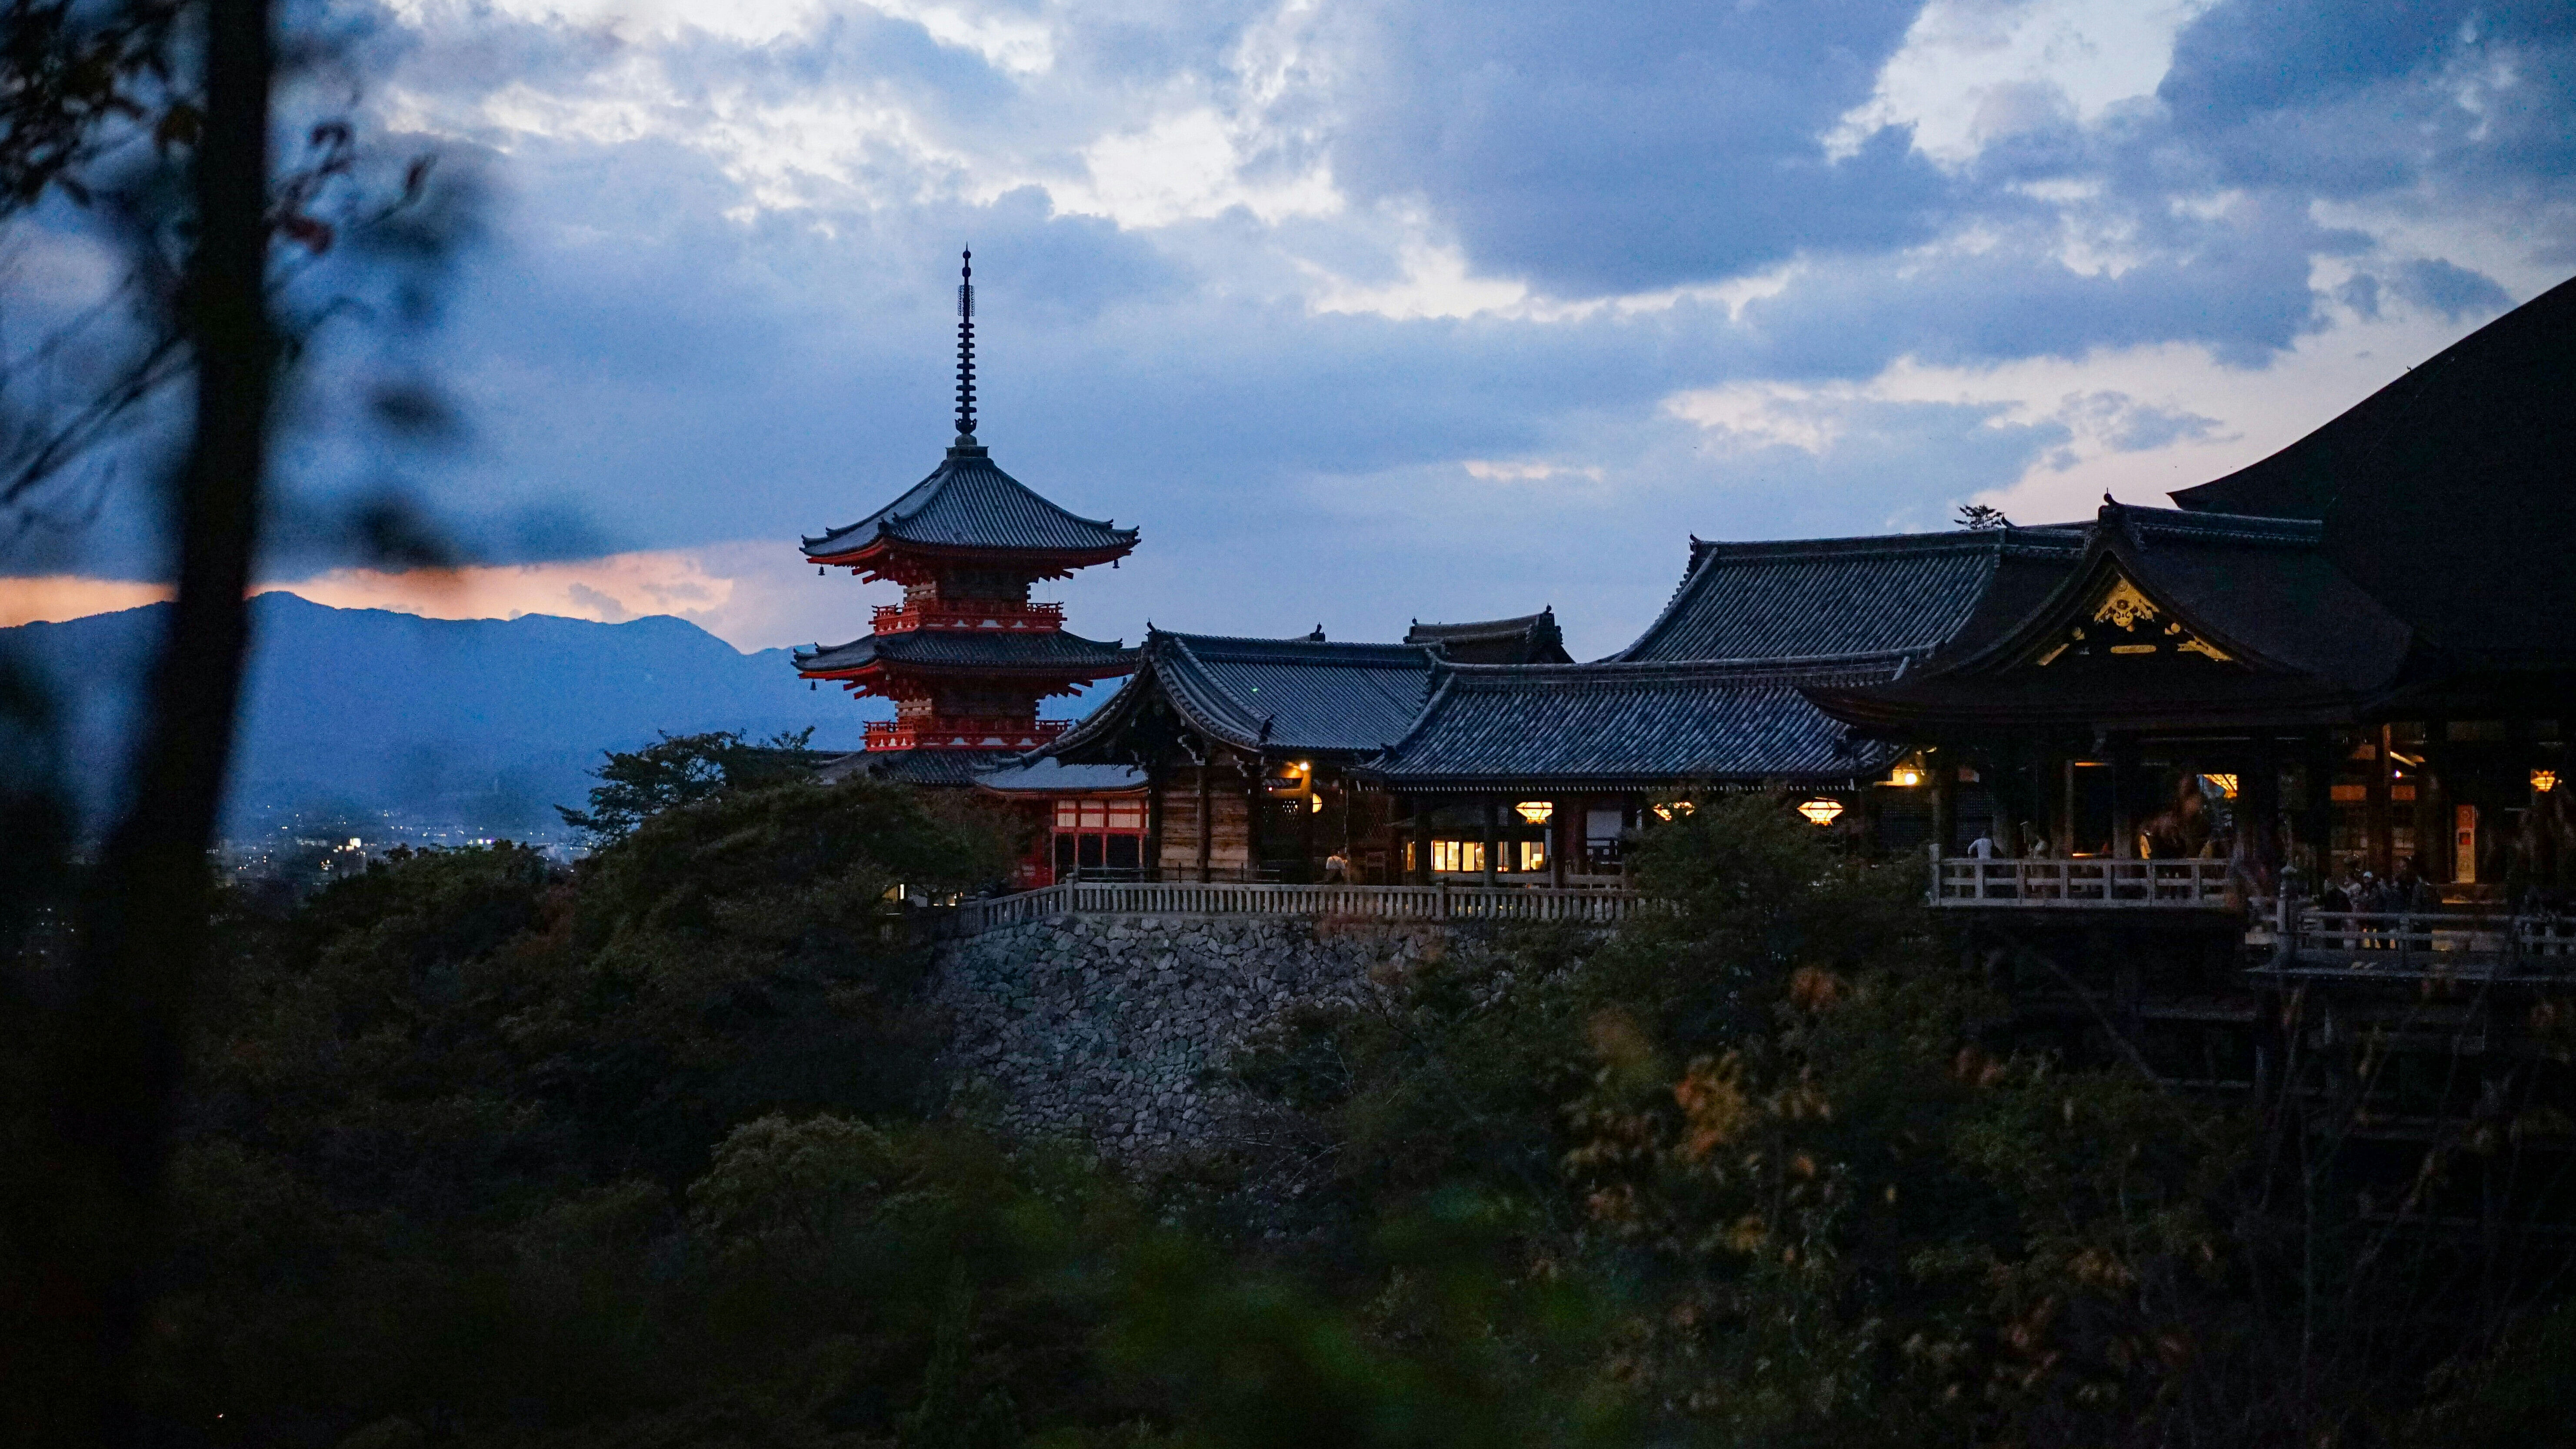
x=966, y=656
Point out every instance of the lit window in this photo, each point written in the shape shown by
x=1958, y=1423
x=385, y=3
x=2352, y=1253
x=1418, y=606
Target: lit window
x=1536, y=812
x=1533, y=855
x=1458, y=856
x=1094, y=815
x=1822, y=811
x=1064, y=815
x=2544, y=781
x=1126, y=815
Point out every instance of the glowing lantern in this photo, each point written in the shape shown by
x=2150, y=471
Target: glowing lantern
x=1821, y=811
x=1536, y=812
x=2544, y=781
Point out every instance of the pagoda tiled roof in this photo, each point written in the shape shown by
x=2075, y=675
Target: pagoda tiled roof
x=1282, y=696
x=1046, y=652
x=1634, y=725
x=1529, y=639
x=1817, y=598
x=969, y=505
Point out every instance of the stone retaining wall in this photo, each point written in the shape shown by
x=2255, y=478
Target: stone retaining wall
x=1110, y=1029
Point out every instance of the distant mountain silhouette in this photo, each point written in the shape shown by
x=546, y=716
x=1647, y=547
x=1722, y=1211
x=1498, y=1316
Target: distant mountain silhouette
x=478, y=722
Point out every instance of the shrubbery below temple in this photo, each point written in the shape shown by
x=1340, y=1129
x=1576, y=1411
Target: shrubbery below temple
x=659, y=1151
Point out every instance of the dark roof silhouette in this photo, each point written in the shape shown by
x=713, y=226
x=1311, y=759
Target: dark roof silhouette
x=2450, y=494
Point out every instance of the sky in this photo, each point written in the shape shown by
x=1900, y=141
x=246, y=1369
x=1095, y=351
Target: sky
x=1368, y=312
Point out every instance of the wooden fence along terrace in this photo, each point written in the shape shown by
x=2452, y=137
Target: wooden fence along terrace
x=2093, y=883
x=1432, y=903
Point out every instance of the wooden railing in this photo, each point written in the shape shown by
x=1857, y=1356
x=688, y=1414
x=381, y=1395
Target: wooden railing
x=2417, y=943
x=1222, y=898
x=2086, y=882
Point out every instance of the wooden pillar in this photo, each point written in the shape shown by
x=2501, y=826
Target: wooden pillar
x=1253, y=810
x=1421, y=841
x=2124, y=825
x=1493, y=844
x=1207, y=817
x=1943, y=776
x=1306, y=826
x=2382, y=846
x=2258, y=804
x=1153, y=861
x=1558, y=818
x=2320, y=769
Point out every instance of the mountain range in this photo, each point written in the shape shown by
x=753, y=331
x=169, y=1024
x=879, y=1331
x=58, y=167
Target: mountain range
x=482, y=724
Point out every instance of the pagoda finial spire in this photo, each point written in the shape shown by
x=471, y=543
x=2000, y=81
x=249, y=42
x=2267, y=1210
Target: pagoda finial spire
x=966, y=350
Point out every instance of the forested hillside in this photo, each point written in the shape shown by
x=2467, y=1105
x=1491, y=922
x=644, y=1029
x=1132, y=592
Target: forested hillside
x=658, y=1151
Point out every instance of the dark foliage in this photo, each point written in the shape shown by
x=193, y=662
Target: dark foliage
x=681, y=770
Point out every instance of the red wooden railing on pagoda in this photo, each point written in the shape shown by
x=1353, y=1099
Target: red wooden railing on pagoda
x=962, y=732
x=1015, y=618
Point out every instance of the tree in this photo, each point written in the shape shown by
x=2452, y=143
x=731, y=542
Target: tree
x=636, y=785
x=1982, y=516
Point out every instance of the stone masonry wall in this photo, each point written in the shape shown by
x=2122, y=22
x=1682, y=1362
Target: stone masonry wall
x=1106, y=1029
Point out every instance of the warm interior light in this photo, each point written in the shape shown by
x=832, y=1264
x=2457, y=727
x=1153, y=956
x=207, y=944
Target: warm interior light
x=1822, y=811
x=1906, y=775
x=1536, y=812
x=1317, y=801
x=2544, y=781
x=2226, y=784
x=1668, y=811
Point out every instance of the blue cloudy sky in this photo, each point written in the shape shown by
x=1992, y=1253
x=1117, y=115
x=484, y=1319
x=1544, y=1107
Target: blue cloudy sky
x=1369, y=311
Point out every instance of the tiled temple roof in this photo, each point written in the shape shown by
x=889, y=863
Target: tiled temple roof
x=1046, y=652
x=1619, y=725
x=1529, y=639
x=915, y=767
x=969, y=505
x=2282, y=637
x=1297, y=696
x=1819, y=598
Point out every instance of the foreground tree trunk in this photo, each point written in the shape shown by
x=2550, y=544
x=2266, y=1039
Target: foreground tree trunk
x=113, y=1068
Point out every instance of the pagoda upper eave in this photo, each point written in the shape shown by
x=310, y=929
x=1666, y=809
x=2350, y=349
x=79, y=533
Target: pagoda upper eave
x=906, y=561
x=1047, y=656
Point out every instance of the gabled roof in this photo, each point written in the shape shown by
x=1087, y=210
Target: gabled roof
x=1048, y=777
x=1818, y=598
x=968, y=505
x=2450, y=494
x=915, y=767
x=1618, y=725
x=1283, y=696
x=1049, y=653
x=1529, y=639
x=2169, y=620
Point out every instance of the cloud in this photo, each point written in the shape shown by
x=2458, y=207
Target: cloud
x=1328, y=298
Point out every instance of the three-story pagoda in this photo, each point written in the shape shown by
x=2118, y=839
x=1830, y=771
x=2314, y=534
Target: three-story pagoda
x=966, y=657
